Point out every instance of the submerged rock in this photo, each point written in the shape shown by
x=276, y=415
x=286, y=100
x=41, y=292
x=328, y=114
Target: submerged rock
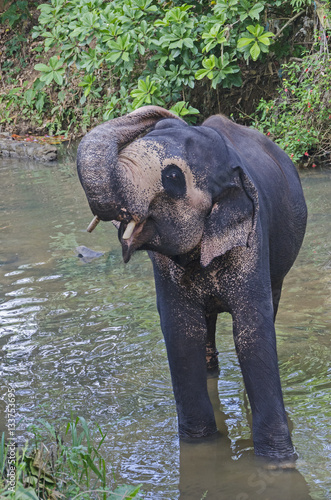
x=86, y=254
x=9, y=260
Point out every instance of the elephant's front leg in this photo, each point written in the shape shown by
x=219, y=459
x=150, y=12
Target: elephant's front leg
x=184, y=327
x=255, y=341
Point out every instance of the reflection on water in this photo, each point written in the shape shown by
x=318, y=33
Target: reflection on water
x=225, y=472
x=86, y=338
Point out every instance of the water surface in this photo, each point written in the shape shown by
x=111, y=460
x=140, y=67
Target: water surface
x=85, y=338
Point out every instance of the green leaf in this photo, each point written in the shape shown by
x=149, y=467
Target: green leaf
x=42, y=68
x=264, y=48
x=125, y=492
x=58, y=78
x=25, y=493
x=113, y=57
x=209, y=63
x=47, y=78
x=55, y=63
x=40, y=103
x=242, y=42
x=141, y=49
x=188, y=42
x=29, y=95
x=265, y=38
x=256, y=30
x=201, y=73
x=255, y=11
x=142, y=85
x=255, y=51
x=180, y=109
x=92, y=466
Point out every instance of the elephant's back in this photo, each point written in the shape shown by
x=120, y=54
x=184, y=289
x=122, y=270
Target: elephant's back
x=258, y=152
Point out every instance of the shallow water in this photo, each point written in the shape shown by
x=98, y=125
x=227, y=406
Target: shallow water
x=85, y=338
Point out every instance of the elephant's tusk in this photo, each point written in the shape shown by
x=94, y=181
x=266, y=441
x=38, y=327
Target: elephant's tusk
x=93, y=224
x=129, y=230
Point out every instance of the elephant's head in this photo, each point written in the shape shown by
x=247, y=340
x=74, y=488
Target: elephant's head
x=171, y=190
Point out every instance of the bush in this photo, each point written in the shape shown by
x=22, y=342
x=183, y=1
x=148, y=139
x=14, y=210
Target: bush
x=107, y=58
x=299, y=119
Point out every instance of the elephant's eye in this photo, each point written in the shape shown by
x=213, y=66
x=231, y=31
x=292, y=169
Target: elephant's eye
x=173, y=181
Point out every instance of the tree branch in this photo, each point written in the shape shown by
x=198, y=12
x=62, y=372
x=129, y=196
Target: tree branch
x=288, y=22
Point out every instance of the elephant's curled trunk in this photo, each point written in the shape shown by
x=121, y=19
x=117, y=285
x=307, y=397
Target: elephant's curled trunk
x=97, y=158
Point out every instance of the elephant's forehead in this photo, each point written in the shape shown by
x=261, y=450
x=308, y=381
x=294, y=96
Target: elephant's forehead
x=143, y=162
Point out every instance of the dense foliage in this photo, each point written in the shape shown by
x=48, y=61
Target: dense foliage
x=100, y=59
x=299, y=119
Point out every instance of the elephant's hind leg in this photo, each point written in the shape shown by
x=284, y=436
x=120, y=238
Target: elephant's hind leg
x=211, y=351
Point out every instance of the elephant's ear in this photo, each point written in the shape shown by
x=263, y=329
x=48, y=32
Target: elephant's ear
x=232, y=220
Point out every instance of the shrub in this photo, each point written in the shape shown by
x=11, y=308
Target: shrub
x=299, y=119
x=108, y=58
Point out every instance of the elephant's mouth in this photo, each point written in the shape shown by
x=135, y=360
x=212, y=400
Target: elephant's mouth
x=132, y=236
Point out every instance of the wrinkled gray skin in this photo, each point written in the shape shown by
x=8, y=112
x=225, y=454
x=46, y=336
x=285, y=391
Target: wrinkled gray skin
x=221, y=212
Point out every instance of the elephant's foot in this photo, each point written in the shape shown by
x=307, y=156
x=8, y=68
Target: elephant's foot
x=199, y=419
x=271, y=463
x=280, y=465
x=193, y=435
x=212, y=362
x=276, y=455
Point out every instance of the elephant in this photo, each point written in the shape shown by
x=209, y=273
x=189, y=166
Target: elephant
x=220, y=209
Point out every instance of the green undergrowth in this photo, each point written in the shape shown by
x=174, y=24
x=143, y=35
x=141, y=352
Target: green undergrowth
x=94, y=60
x=101, y=59
x=58, y=465
x=299, y=118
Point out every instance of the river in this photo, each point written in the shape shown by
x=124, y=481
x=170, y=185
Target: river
x=84, y=338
